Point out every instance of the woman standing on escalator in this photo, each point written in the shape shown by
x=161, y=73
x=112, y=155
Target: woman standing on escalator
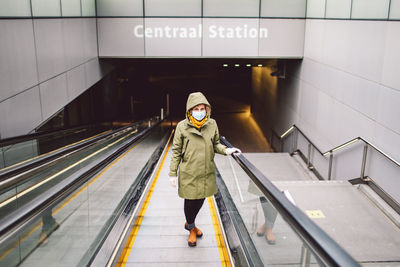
x=195, y=141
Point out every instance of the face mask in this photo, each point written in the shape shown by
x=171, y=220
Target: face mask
x=199, y=115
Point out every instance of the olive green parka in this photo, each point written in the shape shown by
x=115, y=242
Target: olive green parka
x=193, y=154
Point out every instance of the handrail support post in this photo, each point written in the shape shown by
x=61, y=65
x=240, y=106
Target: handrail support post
x=305, y=257
x=294, y=140
x=364, y=162
x=330, y=166
x=309, y=156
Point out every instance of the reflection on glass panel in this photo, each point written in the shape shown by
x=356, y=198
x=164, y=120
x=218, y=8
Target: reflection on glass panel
x=394, y=9
x=46, y=8
x=10, y=253
x=15, y=8
x=229, y=8
x=370, y=9
x=88, y=8
x=71, y=8
x=338, y=9
x=283, y=8
x=172, y=8
x=275, y=241
x=315, y=8
x=1, y=158
x=120, y=8
x=19, y=152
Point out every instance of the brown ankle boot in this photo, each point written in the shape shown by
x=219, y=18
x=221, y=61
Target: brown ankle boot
x=199, y=233
x=192, y=238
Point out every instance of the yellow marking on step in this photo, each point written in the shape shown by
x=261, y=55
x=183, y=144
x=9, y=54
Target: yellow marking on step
x=315, y=214
x=223, y=254
x=132, y=236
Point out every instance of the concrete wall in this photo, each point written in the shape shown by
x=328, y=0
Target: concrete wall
x=48, y=56
x=346, y=86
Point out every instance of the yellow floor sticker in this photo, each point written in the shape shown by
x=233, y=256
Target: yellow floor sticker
x=315, y=214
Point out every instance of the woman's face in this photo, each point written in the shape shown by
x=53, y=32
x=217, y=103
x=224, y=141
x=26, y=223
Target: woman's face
x=200, y=107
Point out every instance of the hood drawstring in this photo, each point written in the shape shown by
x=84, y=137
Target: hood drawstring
x=195, y=122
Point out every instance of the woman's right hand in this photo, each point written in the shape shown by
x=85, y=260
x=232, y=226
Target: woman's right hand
x=173, y=180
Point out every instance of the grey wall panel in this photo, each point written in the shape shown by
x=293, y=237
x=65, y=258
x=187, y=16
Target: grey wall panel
x=20, y=114
x=120, y=8
x=228, y=8
x=73, y=32
x=18, y=70
x=285, y=38
x=172, y=7
x=71, y=8
x=370, y=9
x=50, y=47
x=283, y=8
x=46, y=8
x=316, y=8
x=15, y=8
x=76, y=82
x=93, y=72
x=221, y=45
x=53, y=95
x=389, y=108
x=338, y=9
x=391, y=57
x=89, y=38
x=394, y=9
x=173, y=45
x=88, y=8
x=116, y=37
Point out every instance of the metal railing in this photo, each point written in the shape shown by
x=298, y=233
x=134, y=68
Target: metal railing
x=294, y=130
x=323, y=247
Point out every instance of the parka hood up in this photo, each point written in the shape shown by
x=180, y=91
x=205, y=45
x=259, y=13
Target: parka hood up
x=195, y=99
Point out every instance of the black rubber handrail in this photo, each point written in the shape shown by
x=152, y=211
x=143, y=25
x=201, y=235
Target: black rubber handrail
x=28, y=137
x=323, y=246
x=6, y=176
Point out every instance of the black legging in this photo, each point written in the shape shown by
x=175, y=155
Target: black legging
x=192, y=208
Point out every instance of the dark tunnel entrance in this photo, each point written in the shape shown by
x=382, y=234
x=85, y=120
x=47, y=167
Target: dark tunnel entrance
x=227, y=84
x=242, y=92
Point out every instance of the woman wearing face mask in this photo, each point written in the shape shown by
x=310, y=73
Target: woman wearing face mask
x=195, y=141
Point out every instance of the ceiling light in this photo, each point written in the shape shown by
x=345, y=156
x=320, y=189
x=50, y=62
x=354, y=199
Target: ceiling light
x=237, y=65
x=248, y=65
x=225, y=65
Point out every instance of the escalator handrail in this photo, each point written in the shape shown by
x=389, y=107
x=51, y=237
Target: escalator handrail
x=8, y=176
x=323, y=246
x=9, y=141
x=19, y=218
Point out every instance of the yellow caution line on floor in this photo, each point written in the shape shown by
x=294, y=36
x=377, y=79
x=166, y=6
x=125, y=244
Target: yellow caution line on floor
x=223, y=253
x=80, y=141
x=2, y=256
x=132, y=236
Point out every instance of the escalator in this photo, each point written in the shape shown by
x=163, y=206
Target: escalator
x=59, y=191
x=109, y=203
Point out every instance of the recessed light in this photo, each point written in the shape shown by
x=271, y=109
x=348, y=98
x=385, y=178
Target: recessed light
x=237, y=65
x=225, y=65
x=248, y=65
x=259, y=65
